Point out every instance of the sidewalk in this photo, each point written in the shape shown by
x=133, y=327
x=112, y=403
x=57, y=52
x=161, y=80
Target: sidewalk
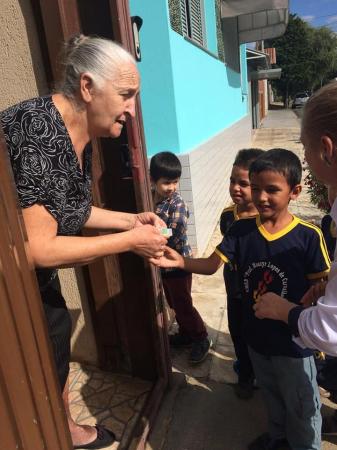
x=200, y=411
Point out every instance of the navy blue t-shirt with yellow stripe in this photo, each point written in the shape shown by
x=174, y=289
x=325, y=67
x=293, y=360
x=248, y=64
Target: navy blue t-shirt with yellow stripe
x=283, y=263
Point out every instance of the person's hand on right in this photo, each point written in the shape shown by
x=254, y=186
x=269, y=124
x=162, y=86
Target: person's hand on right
x=147, y=241
x=272, y=306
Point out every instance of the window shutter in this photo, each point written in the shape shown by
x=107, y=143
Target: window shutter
x=196, y=21
x=184, y=19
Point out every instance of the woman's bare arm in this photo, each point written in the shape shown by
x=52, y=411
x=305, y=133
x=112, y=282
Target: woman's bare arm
x=50, y=250
x=104, y=219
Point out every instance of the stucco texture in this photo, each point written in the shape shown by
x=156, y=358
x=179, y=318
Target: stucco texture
x=21, y=68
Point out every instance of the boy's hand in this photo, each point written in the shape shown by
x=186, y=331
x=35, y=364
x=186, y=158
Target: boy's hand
x=170, y=259
x=313, y=294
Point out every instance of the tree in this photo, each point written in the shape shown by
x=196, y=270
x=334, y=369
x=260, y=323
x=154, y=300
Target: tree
x=307, y=56
x=324, y=45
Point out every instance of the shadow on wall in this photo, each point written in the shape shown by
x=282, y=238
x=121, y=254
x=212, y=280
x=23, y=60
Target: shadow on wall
x=37, y=44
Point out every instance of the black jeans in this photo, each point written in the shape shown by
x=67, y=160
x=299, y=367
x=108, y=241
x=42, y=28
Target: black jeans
x=235, y=325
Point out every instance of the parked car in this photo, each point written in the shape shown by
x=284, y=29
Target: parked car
x=300, y=99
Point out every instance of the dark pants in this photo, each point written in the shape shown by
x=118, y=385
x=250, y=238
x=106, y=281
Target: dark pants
x=327, y=374
x=235, y=325
x=59, y=328
x=178, y=294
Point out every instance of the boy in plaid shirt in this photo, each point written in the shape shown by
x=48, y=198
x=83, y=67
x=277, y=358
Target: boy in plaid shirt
x=165, y=172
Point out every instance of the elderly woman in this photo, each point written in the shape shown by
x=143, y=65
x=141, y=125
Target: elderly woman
x=47, y=140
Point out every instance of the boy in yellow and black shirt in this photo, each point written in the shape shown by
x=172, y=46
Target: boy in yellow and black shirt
x=243, y=207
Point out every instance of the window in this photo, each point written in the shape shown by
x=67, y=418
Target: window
x=188, y=18
x=192, y=18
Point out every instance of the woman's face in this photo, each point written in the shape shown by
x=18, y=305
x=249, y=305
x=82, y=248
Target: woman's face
x=109, y=107
x=318, y=156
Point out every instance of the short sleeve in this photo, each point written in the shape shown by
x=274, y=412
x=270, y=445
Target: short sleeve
x=227, y=249
x=226, y=220
x=25, y=157
x=317, y=258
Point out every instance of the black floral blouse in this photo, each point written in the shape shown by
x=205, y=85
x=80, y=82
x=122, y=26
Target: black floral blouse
x=45, y=165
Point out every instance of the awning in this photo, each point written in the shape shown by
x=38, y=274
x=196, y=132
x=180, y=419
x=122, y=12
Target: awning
x=266, y=74
x=259, y=66
x=257, y=19
x=257, y=59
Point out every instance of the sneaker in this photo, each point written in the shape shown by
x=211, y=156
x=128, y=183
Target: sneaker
x=200, y=350
x=329, y=426
x=180, y=340
x=264, y=442
x=244, y=390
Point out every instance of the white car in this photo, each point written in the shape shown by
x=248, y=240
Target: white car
x=300, y=99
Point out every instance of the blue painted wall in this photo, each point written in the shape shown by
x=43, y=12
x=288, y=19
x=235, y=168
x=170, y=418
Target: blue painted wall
x=157, y=92
x=187, y=95
x=210, y=25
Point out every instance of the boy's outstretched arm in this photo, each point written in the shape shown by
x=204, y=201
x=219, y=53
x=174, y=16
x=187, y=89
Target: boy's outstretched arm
x=203, y=266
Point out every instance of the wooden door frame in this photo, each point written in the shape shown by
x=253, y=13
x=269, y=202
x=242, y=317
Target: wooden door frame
x=31, y=409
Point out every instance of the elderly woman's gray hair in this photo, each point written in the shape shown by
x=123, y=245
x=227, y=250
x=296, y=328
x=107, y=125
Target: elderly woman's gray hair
x=101, y=58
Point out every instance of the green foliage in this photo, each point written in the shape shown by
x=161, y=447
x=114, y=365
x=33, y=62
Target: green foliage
x=221, y=49
x=306, y=55
x=317, y=191
x=175, y=16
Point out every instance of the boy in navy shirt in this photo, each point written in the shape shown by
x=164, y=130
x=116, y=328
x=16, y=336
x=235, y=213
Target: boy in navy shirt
x=243, y=208
x=280, y=253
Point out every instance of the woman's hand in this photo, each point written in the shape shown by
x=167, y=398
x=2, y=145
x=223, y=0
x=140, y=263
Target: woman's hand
x=313, y=294
x=147, y=241
x=272, y=306
x=150, y=218
x=170, y=259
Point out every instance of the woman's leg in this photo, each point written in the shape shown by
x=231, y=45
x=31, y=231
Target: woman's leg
x=80, y=434
x=59, y=330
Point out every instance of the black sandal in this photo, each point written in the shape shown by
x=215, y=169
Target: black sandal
x=104, y=439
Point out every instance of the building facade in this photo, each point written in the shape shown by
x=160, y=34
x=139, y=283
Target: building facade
x=193, y=103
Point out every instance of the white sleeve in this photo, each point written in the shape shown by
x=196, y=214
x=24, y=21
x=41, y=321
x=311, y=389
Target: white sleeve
x=317, y=325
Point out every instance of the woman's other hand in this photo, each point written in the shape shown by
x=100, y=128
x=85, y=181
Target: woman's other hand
x=147, y=241
x=149, y=218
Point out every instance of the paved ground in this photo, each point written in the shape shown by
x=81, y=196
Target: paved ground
x=201, y=411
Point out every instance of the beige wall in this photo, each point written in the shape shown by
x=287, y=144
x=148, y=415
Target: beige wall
x=21, y=68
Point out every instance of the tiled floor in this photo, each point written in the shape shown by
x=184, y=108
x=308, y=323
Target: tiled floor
x=106, y=398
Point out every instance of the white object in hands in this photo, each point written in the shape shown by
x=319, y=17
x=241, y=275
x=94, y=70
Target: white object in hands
x=166, y=232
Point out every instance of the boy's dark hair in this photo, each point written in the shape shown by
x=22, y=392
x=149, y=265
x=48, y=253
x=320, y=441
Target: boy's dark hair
x=246, y=156
x=165, y=165
x=282, y=161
